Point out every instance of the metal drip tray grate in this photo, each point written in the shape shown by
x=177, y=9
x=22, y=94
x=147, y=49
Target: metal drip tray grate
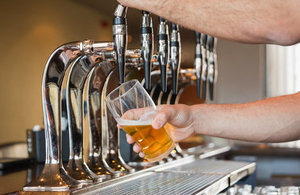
x=194, y=177
x=164, y=183
x=210, y=167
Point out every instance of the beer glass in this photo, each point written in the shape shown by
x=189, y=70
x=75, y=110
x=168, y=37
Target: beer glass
x=155, y=143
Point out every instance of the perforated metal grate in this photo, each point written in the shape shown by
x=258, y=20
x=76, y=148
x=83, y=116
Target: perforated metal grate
x=210, y=166
x=193, y=177
x=164, y=183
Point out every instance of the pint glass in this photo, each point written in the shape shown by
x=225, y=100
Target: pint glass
x=134, y=110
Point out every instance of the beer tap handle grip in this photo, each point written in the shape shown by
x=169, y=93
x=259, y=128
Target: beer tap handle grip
x=198, y=87
x=198, y=37
x=147, y=47
x=204, y=84
x=164, y=82
x=211, y=44
x=120, y=36
x=174, y=81
x=198, y=63
x=163, y=50
x=175, y=56
x=211, y=90
x=147, y=69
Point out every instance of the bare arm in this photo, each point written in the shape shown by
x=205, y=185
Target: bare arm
x=270, y=120
x=249, y=21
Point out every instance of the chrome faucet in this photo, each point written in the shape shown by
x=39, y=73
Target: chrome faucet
x=204, y=71
x=120, y=36
x=163, y=52
x=100, y=81
x=175, y=56
x=92, y=119
x=212, y=68
x=198, y=63
x=77, y=167
x=54, y=177
x=147, y=46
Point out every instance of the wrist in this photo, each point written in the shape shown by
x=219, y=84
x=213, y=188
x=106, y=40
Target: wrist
x=196, y=114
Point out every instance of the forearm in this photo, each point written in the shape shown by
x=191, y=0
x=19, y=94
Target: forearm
x=250, y=21
x=270, y=120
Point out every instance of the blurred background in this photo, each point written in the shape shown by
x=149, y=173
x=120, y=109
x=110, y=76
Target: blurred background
x=32, y=29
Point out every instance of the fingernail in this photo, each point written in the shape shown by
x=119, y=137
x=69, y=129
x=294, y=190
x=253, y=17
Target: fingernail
x=141, y=154
x=157, y=124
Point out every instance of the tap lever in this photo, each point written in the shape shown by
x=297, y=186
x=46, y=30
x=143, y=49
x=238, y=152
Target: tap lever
x=175, y=56
x=163, y=51
x=120, y=36
x=198, y=63
x=147, y=46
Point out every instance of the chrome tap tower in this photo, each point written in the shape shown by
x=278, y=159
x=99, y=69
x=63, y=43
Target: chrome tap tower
x=83, y=73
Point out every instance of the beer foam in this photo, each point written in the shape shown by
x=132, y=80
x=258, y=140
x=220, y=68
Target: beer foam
x=145, y=119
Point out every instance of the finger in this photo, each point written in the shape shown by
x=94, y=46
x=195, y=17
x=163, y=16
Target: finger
x=129, y=139
x=142, y=154
x=136, y=148
x=160, y=119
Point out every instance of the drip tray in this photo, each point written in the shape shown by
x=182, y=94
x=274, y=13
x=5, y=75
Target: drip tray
x=184, y=176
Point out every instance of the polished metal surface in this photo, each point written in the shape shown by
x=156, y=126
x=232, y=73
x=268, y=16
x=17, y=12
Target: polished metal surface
x=92, y=118
x=205, y=54
x=110, y=142
x=175, y=56
x=212, y=67
x=184, y=176
x=198, y=63
x=163, y=52
x=147, y=47
x=79, y=70
x=120, y=36
x=54, y=176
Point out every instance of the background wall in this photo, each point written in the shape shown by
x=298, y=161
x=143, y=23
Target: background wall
x=32, y=29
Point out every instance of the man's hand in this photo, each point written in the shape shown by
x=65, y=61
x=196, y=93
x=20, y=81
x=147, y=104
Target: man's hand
x=177, y=117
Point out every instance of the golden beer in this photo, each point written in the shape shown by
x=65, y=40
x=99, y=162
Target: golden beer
x=155, y=143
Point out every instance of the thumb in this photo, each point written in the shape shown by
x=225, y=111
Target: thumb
x=160, y=119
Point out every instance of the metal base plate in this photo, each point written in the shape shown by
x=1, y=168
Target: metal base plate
x=184, y=176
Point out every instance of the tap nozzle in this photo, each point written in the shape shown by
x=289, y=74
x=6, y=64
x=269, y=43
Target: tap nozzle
x=163, y=51
x=198, y=63
x=147, y=46
x=175, y=56
x=120, y=36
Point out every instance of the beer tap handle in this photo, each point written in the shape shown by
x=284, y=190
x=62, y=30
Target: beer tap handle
x=175, y=57
x=211, y=66
x=147, y=46
x=120, y=36
x=205, y=66
x=198, y=63
x=163, y=51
